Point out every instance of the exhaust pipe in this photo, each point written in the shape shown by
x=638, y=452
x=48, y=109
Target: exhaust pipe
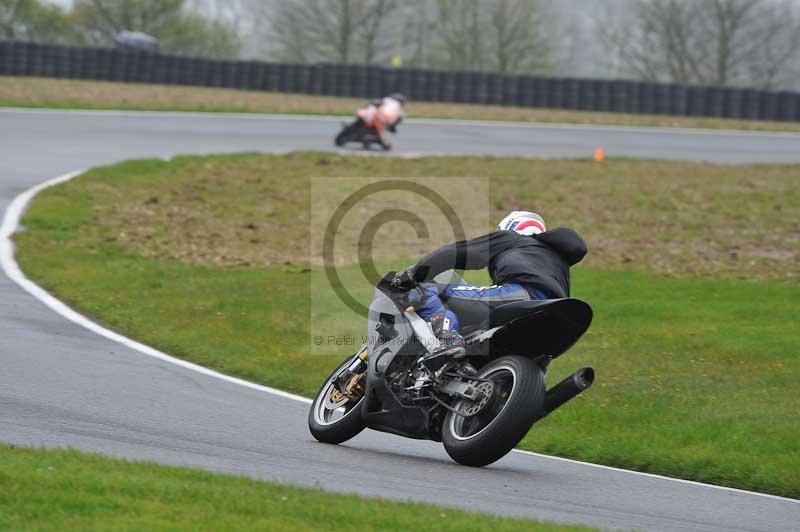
x=567, y=389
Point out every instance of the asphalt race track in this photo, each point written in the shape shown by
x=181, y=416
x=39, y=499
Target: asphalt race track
x=62, y=385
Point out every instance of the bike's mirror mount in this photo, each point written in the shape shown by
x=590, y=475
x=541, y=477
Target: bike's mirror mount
x=386, y=286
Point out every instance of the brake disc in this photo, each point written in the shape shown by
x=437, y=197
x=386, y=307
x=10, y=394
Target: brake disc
x=335, y=399
x=476, y=407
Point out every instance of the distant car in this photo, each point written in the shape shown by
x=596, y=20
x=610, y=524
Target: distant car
x=136, y=40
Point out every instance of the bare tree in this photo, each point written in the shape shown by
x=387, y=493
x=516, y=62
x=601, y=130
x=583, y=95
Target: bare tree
x=519, y=43
x=340, y=31
x=35, y=20
x=233, y=13
x=458, y=26
x=496, y=35
x=709, y=42
x=105, y=18
x=178, y=27
x=776, y=57
x=375, y=21
x=11, y=18
x=289, y=35
x=419, y=41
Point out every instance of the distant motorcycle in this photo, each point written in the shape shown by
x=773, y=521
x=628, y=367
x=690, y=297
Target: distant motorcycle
x=479, y=406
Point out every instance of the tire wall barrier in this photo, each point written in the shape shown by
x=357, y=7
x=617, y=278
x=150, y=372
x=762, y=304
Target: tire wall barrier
x=18, y=58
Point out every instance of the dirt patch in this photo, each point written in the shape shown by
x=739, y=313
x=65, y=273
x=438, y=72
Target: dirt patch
x=735, y=222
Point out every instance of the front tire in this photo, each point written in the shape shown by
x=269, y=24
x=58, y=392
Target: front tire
x=322, y=423
x=518, y=400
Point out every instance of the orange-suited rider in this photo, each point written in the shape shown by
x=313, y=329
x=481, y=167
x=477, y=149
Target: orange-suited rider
x=386, y=113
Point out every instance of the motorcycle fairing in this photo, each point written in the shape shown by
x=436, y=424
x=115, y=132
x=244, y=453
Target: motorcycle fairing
x=529, y=327
x=538, y=328
x=392, y=347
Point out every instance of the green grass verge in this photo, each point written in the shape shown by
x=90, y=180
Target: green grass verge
x=77, y=94
x=67, y=490
x=696, y=376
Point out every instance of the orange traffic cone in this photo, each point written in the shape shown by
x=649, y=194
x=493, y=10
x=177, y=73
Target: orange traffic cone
x=599, y=155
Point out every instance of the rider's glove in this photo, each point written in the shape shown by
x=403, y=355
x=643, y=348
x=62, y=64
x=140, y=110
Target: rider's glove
x=405, y=279
x=414, y=298
x=412, y=295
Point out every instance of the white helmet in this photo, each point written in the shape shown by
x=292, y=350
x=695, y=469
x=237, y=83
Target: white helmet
x=522, y=222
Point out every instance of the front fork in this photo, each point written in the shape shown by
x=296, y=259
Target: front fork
x=350, y=378
x=359, y=363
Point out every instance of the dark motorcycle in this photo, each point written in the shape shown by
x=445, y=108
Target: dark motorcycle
x=359, y=131
x=479, y=406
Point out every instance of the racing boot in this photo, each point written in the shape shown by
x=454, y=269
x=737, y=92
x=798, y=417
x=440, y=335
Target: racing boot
x=451, y=343
x=452, y=348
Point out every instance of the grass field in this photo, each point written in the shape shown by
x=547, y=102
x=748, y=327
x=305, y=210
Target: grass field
x=66, y=490
x=693, y=275
x=76, y=94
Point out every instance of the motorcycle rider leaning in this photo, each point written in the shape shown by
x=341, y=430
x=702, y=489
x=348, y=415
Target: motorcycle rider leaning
x=386, y=113
x=525, y=261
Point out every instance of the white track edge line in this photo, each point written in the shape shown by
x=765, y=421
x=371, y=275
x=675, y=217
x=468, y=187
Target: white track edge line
x=9, y=226
x=423, y=121
x=659, y=477
x=11, y=268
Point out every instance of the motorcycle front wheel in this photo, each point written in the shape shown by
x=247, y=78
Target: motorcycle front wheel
x=334, y=418
x=517, y=401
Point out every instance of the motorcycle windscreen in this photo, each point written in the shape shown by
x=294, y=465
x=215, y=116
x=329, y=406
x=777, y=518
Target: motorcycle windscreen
x=388, y=332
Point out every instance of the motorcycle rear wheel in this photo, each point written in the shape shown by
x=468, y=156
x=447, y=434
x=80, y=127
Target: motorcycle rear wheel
x=323, y=423
x=351, y=132
x=517, y=401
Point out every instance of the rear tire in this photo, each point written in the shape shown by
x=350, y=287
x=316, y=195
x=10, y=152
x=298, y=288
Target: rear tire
x=345, y=427
x=349, y=133
x=479, y=441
